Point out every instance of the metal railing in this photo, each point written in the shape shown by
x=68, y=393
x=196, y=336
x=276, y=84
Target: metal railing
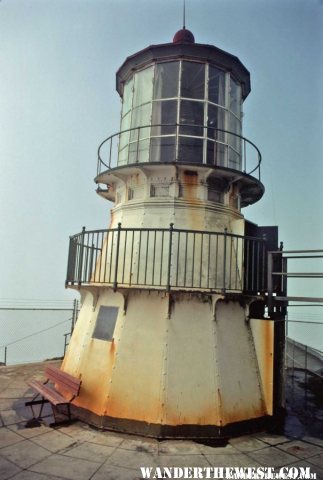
x=247, y=152
x=167, y=259
x=279, y=272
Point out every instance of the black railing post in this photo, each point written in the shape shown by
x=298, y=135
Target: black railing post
x=283, y=269
x=110, y=153
x=65, y=342
x=98, y=167
x=171, y=227
x=137, y=150
x=80, y=272
x=91, y=262
x=224, y=258
x=115, y=283
x=69, y=277
x=244, y=156
x=263, y=268
x=5, y=355
x=270, y=283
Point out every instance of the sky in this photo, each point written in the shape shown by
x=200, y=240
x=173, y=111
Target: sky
x=58, y=102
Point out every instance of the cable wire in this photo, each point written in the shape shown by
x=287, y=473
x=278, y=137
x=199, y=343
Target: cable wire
x=35, y=333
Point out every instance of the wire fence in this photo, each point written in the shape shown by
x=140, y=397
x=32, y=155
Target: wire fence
x=35, y=330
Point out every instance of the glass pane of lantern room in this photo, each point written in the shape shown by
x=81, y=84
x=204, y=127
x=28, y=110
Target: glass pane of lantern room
x=162, y=149
x=216, y=153
x=127, y=97
x=235, y=97
x=125, y=126
x=190, y=150
x=234, y=159
x=141, y=116
x=191, y=113
x=234, y=126
x=123, y=156
x=164, y=112
x=216, y=122
x=139, y=151
x=193, y=80
x=216, y=86
x=143, y=86
x=166, y=80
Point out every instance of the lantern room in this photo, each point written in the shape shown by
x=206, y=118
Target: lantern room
x=182, y=104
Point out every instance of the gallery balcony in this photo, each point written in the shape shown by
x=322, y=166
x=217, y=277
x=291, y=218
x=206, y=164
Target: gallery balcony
x=167, y=259
x=228, y=155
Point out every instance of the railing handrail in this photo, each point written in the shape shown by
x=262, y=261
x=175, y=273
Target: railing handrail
x=283, y=252
x=178, y=230
x=110, y=138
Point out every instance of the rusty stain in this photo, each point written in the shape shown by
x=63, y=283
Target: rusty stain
x=135, y=179
x=119, y=406
x=240, y=414
x=112, y=347
x=267, y=353
x=189, y=181
x=234, y=192
x=190, y=177
x=190, y=184
x=94, y=386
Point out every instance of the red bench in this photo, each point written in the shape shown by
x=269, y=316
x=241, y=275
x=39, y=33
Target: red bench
x=65, y=381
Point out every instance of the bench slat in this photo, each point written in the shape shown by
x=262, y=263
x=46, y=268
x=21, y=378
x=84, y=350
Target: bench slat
x=54, y=397
x=65, y=380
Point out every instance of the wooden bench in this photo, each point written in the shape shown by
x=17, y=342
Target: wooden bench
x=65, y=381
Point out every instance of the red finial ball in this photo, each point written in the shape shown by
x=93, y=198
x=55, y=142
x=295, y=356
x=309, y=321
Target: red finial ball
x=183, y=36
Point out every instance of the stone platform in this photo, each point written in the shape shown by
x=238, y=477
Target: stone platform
x=30, y=451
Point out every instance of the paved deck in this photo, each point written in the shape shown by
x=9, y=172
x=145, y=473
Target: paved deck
x=78, y=452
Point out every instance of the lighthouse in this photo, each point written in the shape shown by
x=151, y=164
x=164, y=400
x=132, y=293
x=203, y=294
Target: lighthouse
x=172, y=339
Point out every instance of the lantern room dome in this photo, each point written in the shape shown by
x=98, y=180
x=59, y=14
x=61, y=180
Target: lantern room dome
x=184, y=36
